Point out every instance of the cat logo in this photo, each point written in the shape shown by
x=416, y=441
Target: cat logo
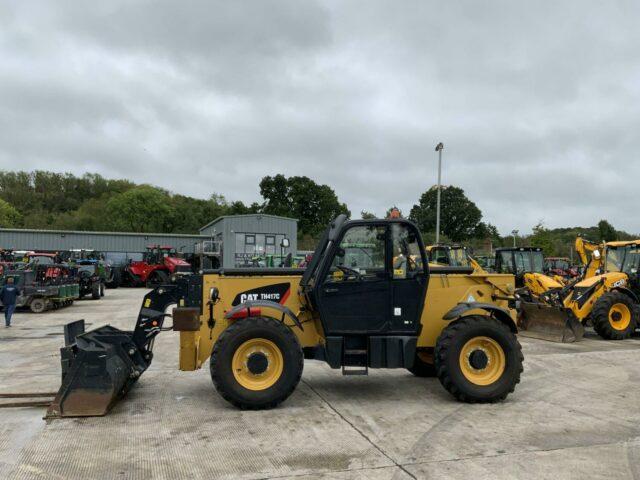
x=277, y=293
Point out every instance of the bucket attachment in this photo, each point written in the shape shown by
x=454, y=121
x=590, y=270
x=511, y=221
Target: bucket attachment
x=98, y=367
x=547, y=322
x=101, y=366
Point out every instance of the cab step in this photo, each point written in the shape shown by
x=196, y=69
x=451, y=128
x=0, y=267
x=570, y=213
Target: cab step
x=355, y=361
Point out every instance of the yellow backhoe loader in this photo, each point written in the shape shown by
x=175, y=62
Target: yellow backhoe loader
x=606, y=297
x=364, y=301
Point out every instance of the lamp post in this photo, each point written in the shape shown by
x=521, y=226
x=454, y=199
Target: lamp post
x=439, y=148
x=514, y=233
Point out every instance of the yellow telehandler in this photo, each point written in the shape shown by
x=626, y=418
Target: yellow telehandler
x=364, y=301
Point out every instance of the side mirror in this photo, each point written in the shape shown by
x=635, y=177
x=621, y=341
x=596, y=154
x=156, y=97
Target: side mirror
x=596, y=254
x=214, y=294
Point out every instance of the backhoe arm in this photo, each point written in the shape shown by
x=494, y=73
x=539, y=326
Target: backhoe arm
x=584, y=249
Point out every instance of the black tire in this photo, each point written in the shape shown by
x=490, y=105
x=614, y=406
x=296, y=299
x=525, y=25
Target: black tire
x=157, y=278
x=233, y=338
x=38, y=305
x=422, y=368
x=130, y=279
x=95, y=290
x=606, y=326
x=116, y=278
x=449, y=348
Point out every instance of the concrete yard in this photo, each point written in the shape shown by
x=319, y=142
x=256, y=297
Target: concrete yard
x=574, y=415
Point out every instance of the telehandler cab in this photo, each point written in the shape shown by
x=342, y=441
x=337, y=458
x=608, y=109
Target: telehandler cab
x=368, y=299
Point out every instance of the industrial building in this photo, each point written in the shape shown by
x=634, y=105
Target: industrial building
x=238, y=239
x=243, y=237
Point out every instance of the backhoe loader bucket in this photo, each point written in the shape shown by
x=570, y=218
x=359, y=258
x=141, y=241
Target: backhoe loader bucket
x=547, y=322
x=98, y=367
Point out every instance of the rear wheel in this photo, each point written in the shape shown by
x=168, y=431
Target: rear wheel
x=614, y=316
x=423, y=365
x=478, y=359
x=157, y=278
x=38, y=305
x=116, y=278
x=256, y=363
x=95, y=290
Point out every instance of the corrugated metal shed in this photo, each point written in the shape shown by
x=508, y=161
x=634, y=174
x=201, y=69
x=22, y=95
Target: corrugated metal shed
x=28, y=239
x=236, y=230
x=243, y=237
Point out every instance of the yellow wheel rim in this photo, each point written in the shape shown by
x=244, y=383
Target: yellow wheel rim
x=482, y=361
x=619, y=316
x=259, y=351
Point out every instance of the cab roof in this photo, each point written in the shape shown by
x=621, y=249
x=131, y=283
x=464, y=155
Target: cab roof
x=623, y=243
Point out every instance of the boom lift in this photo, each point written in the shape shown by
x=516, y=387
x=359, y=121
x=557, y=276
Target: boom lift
x=364, y=301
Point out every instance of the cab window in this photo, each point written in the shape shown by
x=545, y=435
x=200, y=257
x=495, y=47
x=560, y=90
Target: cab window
x=407, y=260
x=506, y=265
x=360, y=255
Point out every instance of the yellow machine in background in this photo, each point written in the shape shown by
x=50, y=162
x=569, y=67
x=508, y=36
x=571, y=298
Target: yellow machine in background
x=590, y=254
x=454, y=256
x=608, y=301
x=383, y=309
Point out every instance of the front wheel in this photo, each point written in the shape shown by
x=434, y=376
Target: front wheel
x=614, y=316
x=38, y=305
x=256, y=363
x=478, y=359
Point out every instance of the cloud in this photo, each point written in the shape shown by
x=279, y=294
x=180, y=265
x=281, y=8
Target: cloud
x=536, y=103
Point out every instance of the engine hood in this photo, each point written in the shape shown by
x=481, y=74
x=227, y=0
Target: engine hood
x=176, y=262
x=609, y=278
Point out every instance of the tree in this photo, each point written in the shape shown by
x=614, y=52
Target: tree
x=367, y=215
x=606, y=231
x=142, y=209
x=459, y=216
x=541, y=238
x=395, y=210
x=9, y=216
x=312, y=204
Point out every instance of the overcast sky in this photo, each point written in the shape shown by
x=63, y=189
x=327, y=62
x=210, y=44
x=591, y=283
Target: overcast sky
x=537, y=103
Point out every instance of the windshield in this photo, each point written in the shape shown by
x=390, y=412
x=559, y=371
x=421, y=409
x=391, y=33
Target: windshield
x=41, y=260
x=459, y=257
x=525, y=261
x=623, y=259
x=537, y=261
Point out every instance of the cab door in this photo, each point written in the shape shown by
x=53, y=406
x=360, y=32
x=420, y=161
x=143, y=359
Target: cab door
x=409, y=279
x=355, y=287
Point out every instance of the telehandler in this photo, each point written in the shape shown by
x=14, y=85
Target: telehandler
x=364, y=301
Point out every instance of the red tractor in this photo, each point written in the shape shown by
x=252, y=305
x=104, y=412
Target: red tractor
x=158, y=263
x=560, y=266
